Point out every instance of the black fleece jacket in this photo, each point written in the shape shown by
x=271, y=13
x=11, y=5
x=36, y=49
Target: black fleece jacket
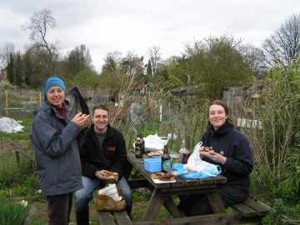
x=235, y=146
x=110, y=156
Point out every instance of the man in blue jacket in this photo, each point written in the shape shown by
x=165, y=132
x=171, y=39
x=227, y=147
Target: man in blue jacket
x=102, y=152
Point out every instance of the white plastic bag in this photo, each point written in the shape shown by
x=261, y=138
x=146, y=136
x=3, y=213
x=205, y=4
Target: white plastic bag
x=195, y=163
x=8, y=125
x=194, y=158
x=154, y=143
x=111, y=191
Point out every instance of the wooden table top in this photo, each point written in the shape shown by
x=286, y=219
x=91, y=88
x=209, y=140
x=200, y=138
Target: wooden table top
x=180, y=183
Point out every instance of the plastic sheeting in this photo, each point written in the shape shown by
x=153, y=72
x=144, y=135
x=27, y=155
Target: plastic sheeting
x=8, y=125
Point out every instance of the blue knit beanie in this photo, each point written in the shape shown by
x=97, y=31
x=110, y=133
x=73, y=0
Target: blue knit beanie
x=51, y=82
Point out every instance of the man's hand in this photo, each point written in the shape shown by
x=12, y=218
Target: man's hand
x=110, y=177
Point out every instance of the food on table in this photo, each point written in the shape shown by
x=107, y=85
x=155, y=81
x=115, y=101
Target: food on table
x=155, y=153
x=157, y=175
x=169, y=176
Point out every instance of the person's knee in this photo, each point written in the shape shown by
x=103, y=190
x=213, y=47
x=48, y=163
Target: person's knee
x=126, y=191
x=128, y=198
x=81, y=200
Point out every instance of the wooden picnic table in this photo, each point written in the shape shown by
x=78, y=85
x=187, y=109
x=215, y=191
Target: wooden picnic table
x=163, y=194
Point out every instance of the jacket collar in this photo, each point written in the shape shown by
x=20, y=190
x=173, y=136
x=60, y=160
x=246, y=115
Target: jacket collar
x=52, y=110
x=225, y=128
x=108, y=131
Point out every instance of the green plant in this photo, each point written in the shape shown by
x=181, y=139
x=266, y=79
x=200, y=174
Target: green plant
x=289, y=188
x=12, y=213
x=141, y=195
x=16, y=179
x=275, y=146
x=282, y=213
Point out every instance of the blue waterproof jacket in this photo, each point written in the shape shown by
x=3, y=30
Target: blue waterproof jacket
x=56, y=151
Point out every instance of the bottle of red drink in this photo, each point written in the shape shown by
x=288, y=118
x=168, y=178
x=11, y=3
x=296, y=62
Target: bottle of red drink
x=184, y=152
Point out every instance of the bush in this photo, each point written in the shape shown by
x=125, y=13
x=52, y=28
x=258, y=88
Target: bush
x=275, y=146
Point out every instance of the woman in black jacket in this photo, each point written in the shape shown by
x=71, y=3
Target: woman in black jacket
x=225, y=146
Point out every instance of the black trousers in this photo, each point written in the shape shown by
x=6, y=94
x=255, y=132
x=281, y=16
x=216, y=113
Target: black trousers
x=59, y=209
x=198, y=204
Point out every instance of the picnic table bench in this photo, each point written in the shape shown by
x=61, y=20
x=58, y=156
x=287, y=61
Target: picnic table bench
x=114, y=218
x=251, y=210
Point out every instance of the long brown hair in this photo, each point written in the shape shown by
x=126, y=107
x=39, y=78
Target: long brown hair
x=226, y=109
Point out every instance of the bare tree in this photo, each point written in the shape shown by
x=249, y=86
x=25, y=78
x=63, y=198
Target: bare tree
x=112, y=61
x=133, y=65
x=155, y=58
x=255, y=58
x=283, y=47
x=40, y=24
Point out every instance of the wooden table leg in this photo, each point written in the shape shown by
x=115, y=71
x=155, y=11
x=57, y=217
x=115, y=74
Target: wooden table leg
x=171, y=207
x=153, y=207
x=216, y=202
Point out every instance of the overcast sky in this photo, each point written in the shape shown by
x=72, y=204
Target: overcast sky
x=137, y=25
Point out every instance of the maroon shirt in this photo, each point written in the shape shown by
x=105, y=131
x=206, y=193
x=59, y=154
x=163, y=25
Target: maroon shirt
x=61, y=109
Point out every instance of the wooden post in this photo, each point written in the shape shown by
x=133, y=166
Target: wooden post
x=160, y=113
x=40, y=98
x=6, y=103
x=18, y=157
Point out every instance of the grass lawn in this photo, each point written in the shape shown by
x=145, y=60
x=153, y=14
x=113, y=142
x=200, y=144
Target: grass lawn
x=39, y=216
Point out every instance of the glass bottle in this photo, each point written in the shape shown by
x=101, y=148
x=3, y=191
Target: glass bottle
x=137, y=148
x=142, y=144
x=184, y=152
x=166, y=161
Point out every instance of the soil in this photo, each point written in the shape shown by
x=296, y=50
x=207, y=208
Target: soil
x=9, y=146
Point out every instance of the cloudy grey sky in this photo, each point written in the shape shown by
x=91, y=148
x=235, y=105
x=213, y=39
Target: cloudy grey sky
x=136, y=25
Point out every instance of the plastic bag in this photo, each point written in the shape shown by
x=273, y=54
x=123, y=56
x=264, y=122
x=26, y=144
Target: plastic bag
x=194, y=158
x=206, y=170
x=154, y=143
x=110, y=199
x=196, y=168
x=111, y=190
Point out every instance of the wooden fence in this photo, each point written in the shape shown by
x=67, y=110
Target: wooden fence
x=18, y=101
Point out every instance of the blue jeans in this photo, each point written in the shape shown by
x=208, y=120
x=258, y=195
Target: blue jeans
x=85, y=195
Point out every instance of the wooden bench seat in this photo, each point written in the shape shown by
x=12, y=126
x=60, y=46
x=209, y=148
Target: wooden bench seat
x=114, y=218
x=251, y=210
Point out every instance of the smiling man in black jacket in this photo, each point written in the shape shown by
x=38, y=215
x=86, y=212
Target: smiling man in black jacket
x=102, y=152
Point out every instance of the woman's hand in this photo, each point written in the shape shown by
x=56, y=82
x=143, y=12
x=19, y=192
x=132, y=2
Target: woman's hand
x=81, y=120
x=208, y=152
x=205, y=152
